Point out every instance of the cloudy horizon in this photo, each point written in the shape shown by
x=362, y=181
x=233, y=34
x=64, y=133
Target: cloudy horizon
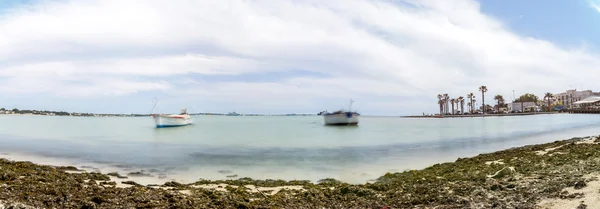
x=289, y=56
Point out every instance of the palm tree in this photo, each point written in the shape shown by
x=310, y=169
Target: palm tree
x=471, y=96
x=457, y=103
x=547, y=97
x=483, y=89
x=461, y=100
x=469, y=104
x=446, y=99
x=500, y=100
x=452, y=101
x=441, y=103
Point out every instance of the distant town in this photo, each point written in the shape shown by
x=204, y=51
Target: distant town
x=573, y=101
x=15, y=111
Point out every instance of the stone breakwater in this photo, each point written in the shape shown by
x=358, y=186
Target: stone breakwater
x=562, y=174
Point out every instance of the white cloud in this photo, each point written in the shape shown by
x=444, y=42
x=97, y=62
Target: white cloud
x=595, y=5
x=369, y=49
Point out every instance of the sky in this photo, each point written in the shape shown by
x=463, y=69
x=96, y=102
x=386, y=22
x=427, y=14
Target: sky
x=392, y=57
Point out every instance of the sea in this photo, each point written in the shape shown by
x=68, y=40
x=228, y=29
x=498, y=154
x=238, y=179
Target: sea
x=273, y=147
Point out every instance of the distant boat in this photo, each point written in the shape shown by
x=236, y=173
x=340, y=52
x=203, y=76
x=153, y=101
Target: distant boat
x=163, y=121
x=341, y=117
x=233, y=114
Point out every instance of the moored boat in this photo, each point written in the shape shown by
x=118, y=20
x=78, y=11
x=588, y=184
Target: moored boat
x=341, y=117
x=233, y=114
x=164, y=121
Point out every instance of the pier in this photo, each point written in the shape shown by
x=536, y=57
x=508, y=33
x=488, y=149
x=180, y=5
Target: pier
x=583, y=111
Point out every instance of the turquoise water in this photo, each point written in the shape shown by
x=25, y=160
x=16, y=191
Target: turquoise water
x=288, y=148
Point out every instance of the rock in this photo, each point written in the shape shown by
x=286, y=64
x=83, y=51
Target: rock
x=580, y=185
x=68, y=168
x=225, y=171
x=115, y=174
x=110, y=183
x=496, y=187
x=98, y=200
x=139, y=174
x=131, y=183
x=328, y=180
x=173, y=184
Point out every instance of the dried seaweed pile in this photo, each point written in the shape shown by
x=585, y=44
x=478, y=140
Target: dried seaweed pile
x=517, y=177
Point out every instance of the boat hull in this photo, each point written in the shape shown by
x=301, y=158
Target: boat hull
x=165, y=121
x=341, y=119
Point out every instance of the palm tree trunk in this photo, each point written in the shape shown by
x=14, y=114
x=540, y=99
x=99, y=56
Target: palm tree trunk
x=498, y=108
x=444, y=107
x=472, y=105
x=447, y=108
x=483, y=101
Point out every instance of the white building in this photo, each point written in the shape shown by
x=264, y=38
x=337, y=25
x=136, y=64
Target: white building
x=569, y=97
x=590, y=102
x=519, y=106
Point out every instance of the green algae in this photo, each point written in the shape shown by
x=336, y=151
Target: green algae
x=521, y=179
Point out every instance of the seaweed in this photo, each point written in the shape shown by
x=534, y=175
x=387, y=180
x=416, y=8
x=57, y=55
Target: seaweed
x=522, y=179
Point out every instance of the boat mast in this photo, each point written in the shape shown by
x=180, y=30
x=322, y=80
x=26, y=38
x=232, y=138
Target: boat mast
x=155, y=102
x=350, y=106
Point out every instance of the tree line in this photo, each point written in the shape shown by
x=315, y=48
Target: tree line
x=447, y=104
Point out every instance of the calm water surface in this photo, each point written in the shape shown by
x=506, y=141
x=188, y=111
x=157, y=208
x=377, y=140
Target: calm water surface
x=275, y=147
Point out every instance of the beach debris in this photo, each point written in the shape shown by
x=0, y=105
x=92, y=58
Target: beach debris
x=546, y=151
x=582, y=205
x=499, y=162
x=506, y=171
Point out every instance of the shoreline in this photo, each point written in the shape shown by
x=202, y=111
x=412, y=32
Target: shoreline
x=481, y=115
x=552, y=175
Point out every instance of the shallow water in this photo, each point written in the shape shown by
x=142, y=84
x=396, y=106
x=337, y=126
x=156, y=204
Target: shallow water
x=285, y=147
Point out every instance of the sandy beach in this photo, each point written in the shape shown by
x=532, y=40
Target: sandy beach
x=562, y=174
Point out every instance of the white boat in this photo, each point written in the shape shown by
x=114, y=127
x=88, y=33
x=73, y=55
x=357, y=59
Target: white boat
x=233, y=114
x=341, y=117
x=163, y=121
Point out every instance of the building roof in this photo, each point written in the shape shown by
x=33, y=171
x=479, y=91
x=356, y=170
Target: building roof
x=591, y=99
